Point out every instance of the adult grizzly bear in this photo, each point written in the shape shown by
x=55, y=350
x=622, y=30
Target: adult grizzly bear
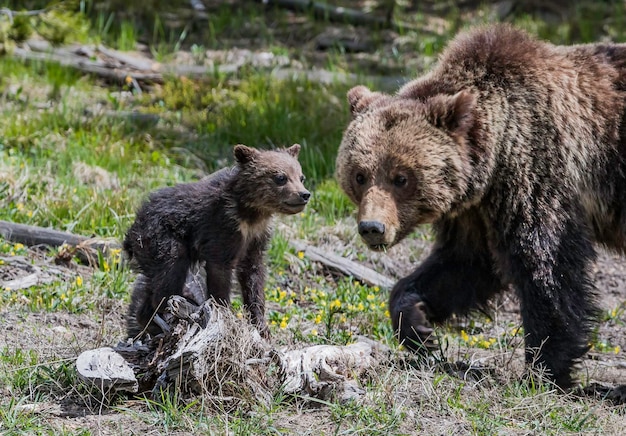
x=221, y=221
x=515, y=150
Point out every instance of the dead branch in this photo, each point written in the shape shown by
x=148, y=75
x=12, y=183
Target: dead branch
x=9, y=13
x=343, y=15
x=345, y=266
x=85, y=248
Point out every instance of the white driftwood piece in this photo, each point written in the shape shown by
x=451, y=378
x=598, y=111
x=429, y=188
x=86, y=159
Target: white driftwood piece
x=107, y=370
x=324, y=371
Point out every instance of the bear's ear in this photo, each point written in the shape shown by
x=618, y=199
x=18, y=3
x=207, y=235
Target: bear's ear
x=453, y=113
x=361, y=98
x=245, y=154
x=293, y=150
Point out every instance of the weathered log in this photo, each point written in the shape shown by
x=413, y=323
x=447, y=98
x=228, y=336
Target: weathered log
x=87, y=66
x=338, y=14
x=330, y=371
x=343, y=265
x=85, y=248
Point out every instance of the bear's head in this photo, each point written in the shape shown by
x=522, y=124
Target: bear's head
x=404, y=161
x=272, y=179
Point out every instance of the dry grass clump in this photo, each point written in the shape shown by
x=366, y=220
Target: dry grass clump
x=220, y=357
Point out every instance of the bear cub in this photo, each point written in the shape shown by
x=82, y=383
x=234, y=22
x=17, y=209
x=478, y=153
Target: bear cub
x=221, y=222
x=515, y=150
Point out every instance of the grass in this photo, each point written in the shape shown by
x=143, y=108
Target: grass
x=67, y=161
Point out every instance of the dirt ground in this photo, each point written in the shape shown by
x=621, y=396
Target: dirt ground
x=61, y=337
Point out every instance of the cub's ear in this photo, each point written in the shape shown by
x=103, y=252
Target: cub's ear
x=293, y=150
x=361, y=99
x=245, y=154
x=453, y=113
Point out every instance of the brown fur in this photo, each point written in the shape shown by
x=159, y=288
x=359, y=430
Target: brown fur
x=515, y=150
x=221, y=222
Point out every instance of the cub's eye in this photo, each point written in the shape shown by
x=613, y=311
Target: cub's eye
x=302, y=179
x=399, y=181
x=280, y=179
x=360, y=179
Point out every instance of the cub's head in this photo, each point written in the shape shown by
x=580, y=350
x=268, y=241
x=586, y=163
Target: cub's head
x=404, y=161
x=271, y=180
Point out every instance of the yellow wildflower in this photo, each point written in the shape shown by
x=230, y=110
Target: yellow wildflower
x=464, y=336
x=335, y=304
x=318, y=318
x=79, y=281
x=300, y=254
x=314, y=332
x=116, y=254
x=283, y=324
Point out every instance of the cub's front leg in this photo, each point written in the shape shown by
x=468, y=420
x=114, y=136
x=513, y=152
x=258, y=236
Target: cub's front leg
x=251, y=276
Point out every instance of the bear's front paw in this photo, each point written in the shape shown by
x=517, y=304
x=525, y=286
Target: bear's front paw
x=414, y=330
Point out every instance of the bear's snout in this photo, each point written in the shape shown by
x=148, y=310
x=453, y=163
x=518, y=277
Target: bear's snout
x=377, y=219
x=305, y=195
x=373, y=233
x=371, y=228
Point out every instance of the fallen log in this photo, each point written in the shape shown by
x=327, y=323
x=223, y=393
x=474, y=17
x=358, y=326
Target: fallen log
x=338, y=14
x=344, y=266
x=85, y=248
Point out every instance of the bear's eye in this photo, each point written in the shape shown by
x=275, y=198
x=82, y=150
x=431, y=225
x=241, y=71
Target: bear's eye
x=399, y=181
x=360, y=179
x=280, y=179
x=302, y=179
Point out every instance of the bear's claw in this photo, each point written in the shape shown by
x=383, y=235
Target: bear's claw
x=416, y=332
